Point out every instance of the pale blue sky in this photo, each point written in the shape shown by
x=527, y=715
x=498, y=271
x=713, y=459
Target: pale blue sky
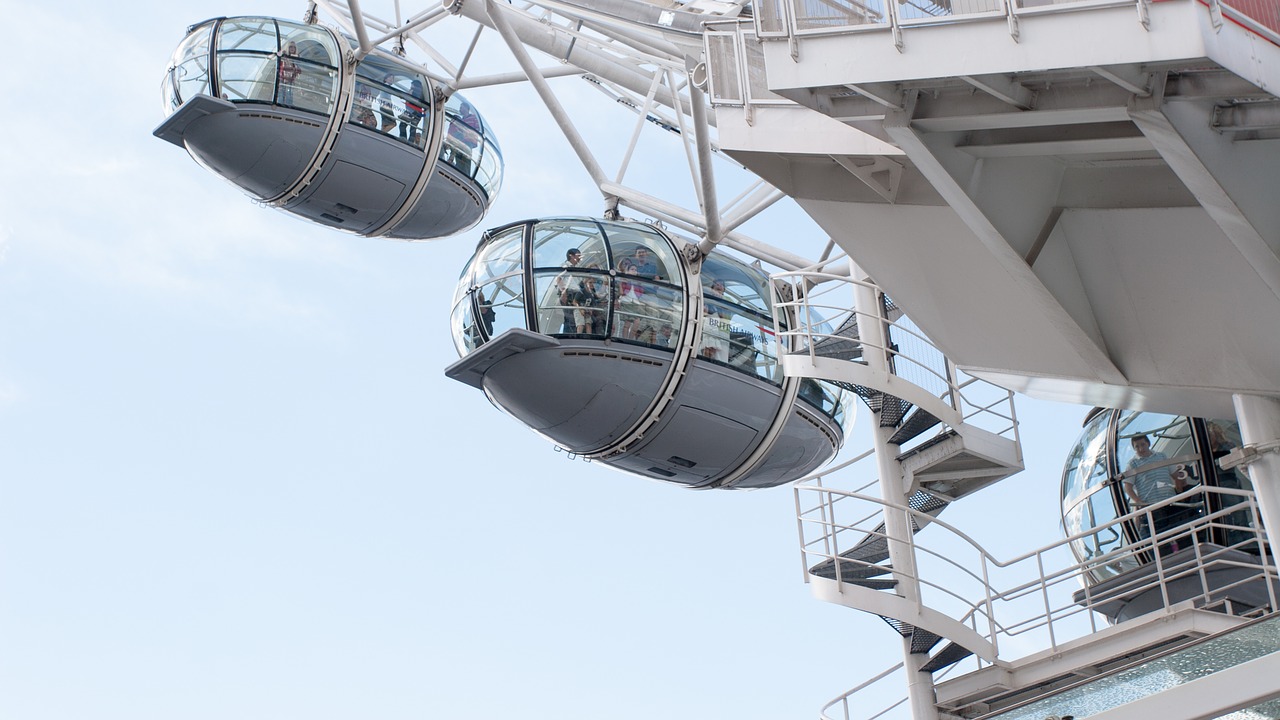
x=235, y=483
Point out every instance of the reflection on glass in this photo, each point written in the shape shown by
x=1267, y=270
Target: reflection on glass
x=739, y=338
x=1087, y=464
x=462, y=322
x=1223, y=437
x=501, y=305
x=1097, y=510
x=655, y=319
x=490, y=174
x=651, y=256
x=1167, y=435
x=256, y=35
x=257, y=65
x=248, y=78
x=190, y=75
x=828, y=398
x=1157, y=458
x=469, y=145
x=315, y=45
x=737, y=283
x=573, y=303
x=503, y=255
x=314, y=90
x=462, y=136
x=553, y=240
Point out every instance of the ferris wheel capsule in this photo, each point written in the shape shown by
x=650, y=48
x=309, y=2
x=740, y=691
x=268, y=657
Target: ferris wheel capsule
x=602, y=337
x=369, y=147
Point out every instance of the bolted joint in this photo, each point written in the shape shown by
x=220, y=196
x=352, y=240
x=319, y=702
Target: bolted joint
x=1246, y=455
x=692, y=253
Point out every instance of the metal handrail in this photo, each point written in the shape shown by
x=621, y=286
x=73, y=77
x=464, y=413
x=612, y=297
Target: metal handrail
x=1052, y=583
x=855, y=16
x=956, y=392
x=843, y=700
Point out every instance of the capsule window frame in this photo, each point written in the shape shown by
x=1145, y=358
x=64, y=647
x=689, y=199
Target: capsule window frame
x=371, y=72
x=316, y=72
x=1194, y=460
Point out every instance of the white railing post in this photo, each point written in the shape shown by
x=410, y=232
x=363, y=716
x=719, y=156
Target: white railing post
x=952, y=390
x=895, y=25
x=1015, y=32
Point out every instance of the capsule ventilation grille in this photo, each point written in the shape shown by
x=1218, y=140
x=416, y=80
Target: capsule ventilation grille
x=818, y=425
x=297, y=121
x=610, y=356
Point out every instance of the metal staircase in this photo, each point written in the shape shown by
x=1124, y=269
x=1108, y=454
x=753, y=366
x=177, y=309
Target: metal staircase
x=949, y=437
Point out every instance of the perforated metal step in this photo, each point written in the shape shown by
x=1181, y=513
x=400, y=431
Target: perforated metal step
x=922, y=641
x=917, y=423
x=860, y=560
x=949, y=655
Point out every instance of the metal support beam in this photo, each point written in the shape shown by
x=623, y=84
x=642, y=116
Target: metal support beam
x=515, y=77
x=867, y=174
x=1149, y=116
x=558, y=113
x=362, y=34
x=706, y=172
x=1259, y=419
x=871, y=328
x=763, y=198
x=555, y=42
x=898, y=125
x=1003, y=89
x=1136, y=82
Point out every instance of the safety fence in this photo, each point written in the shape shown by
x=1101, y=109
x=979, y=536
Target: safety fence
x=1216, y=558
x=823, y=321
x=735, y=55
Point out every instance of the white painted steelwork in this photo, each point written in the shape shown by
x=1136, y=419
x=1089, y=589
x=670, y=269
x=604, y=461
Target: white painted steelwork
x=1024, y=196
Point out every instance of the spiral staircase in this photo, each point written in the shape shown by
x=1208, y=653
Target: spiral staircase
x=948, y=437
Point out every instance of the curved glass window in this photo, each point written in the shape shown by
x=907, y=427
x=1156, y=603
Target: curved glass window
x=650, y=254
x=737, y=326
x=189, y=74
x=315, y=45
x=1157, y=459
x=1086, y=468
x=391, y=100
x=832, y=400
x=1097, y=510
x=647, y=313
x=490, y=173
x=735, y=336
x=462, y=323
x=1156, y=456
x=503, y=255
x=469, y=146
x=256, y=35
x=554, y=239
x=265, y=60
x=737, y=283
x=573, y=303
x=574, y=295
x=248, y=78
x=501, y=305
x=1223, y=436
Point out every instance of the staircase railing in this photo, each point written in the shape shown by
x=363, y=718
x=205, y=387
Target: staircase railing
x=841, y=709
x=732, y=71
x=800, y=18
x=825, y=324
x=1043, y=598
